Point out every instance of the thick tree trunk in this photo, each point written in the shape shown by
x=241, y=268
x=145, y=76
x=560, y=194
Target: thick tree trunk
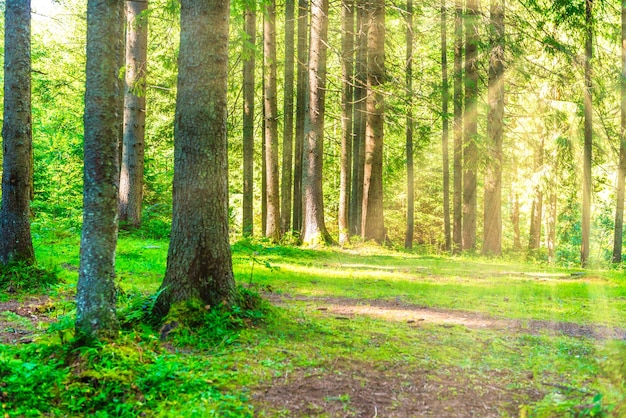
x=492, y=241
x=347, y=74
x=621, y=174
x=457, y=198
x=199, y=262
x=133, y=144
x=586, y=221
x=95, y=296
x=445, y=132
x=314, y=229
x=287, y=161
x=410, y=181
x=15, y=237
x=373, y=226
x=249, y=63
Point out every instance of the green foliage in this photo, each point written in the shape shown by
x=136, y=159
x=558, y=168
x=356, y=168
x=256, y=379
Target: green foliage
x=26, y=278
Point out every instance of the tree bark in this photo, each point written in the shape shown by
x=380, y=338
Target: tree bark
x=586, y=221
x=410, y=181
x=95, y=296
x=249, y=63
x=133, y=143
x=536, y=209
x=445, y=131
x=17, y=176
x=199, y=264
x=621, y=174
x=457, y=198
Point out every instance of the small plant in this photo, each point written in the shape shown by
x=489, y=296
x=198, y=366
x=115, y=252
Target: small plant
x=22, y=277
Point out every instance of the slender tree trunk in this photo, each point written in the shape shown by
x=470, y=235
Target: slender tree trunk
x=249, y=63
x=457, y=204
x=272, y=227
x=199, y=262
x=15, y=238
x=410, y=181
x=314, y=229
x=536, y=210
x=552, y=219
x=586, y=221
x=373, y=225
x=621, y=174
x=96, y=295
x=515, y=211
x=133, y=145
x=302, y=87
x=287, y=162
x=492, y=242
x=347, y=73
x=445, y=99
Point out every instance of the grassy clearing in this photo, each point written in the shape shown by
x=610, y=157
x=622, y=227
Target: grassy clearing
x=308, y=357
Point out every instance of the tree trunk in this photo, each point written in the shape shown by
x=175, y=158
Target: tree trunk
x=410, y=181
x=457, y=203
x=551, y=229
x=586, y=221
x=287, y=162
x=445, y=99
x=15, y=238
x=199, y=264
x=536, y=209
x=515, y=210
x=95, y=296
x=249, y=63
x=621, y=174
x=314, y=230
x=133, y=144
x=492, y=242
x=373, y=226
x=347, y=74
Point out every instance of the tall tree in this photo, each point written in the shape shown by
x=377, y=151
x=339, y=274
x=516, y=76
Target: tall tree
x=313, y=227
x=373, y=225
x=492, y=241
x=410, y=181
x=586, y=221
x=621, y=174
x=445, y=131
x=347, y=73
x=536, y=208
x=199, y=264
x=470, y=120
x=457, y=198
x=15, y=238
x=287, y=162
x=133, y=140
x=272, y=226
x=249, y=63
x=95, y=296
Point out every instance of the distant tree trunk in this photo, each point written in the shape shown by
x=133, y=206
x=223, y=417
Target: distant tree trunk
x=249, y=63
x=445, y=99
x=536, y=209
x=96, y=295
x=457, y=203
x=586, y=221
x=287, y=162
x=358, y=139
x=410, y=181
x=347, y=73
x=492, y=242
x=373, y=225
x=199, y=262
x=15, y=238
x=551, y=229
x=619, y=211
x=515, y=210
x=301, y=89
x=133, y=145
x=272, y=227
x=314, y=229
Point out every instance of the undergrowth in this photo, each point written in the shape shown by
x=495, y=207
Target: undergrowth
x=21, y=277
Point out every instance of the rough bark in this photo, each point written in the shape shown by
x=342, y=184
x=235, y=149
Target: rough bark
x=133, y=140
x=586, y=218
x=95, y=296
x=15, y=237
x=445, y=131
x=249, y=63
x=410, y=181
x=457, y=198
x=621, y=174
x=199, y=264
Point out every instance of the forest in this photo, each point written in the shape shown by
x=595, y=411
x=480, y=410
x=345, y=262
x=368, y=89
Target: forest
x=313, y=208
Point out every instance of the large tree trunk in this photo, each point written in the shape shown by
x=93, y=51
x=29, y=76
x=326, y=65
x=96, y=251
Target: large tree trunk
x=621, y=174
x=287, y=162
x=272, y=226
x=347, y=73
x=133, y=144
x=457, y=198
x=249, y=62
x=301, y=89
x=373, y=225
x=492, y=242
x=314, y=229
x=15, y=238
x=410, y=181
x=95, y=296
x=445, y=99
x=586, y=221
x=199, y=264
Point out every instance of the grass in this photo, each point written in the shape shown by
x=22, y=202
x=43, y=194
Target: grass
x=221, y=364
